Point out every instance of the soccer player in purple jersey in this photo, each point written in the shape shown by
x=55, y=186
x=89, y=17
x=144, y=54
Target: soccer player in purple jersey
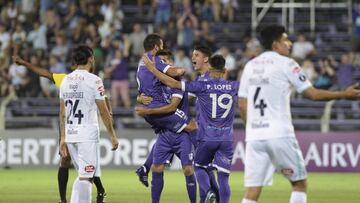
x=170, y=142
x=216, y=121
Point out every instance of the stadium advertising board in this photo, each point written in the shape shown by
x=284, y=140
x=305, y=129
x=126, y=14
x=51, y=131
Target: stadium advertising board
x=332, y=152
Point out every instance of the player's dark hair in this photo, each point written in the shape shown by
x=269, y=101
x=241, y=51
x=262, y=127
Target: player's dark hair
x=81, y=54
x=270, y=34
x=164, y=52
x=203, y=49
x=217, y=62
x=150, y=41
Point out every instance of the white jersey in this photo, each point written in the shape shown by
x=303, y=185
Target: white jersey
x=79, y=90
x=266, y=82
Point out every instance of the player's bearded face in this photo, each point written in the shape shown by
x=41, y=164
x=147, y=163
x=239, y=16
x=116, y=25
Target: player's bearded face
x=283, y=45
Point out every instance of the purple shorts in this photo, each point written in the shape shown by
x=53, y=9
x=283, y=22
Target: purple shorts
x=168, y=144
x=214, y=153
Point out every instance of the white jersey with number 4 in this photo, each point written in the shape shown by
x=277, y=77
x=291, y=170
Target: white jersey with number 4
x=266, y=82
x=79, y=90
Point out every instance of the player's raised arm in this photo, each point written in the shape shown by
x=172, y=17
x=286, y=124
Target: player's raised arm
x=38, y=70
x=162, y=77
x=175, y=101
x=175, y=72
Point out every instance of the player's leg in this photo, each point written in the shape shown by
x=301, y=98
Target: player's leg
x=85, y=157
x=223, y=159
x=114, y=93
x=183, y=149
x=143, y=171
x=162, y=153
x=258, y=170
x=290, y=162
x=203, y=157
x=97, y=181
x=63, y=176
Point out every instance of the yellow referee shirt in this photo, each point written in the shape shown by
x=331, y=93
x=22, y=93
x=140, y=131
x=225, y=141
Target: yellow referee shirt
x=58, y=78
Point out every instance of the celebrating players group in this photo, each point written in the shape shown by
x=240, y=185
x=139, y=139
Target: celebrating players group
x=204, y=144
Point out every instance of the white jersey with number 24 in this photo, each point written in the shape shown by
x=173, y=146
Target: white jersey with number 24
x=79, y=90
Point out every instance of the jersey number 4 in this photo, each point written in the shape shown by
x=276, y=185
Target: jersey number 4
x=261, y=105
x=73, y=113
x=218, y=101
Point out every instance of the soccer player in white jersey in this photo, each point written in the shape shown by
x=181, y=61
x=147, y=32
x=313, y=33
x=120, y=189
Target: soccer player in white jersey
x=265, y=108
x=81, y=96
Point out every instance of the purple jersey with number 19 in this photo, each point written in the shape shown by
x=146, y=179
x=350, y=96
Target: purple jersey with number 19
x=216, y=100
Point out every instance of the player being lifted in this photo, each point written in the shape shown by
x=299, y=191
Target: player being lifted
x=265, y=108
x=65, y=162
x=215, y=123
x=81, y=97
x=171, y=127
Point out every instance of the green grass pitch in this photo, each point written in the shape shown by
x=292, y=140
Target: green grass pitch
x=122, y=186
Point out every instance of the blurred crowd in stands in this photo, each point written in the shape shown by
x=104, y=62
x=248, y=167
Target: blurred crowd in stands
x=44, y=32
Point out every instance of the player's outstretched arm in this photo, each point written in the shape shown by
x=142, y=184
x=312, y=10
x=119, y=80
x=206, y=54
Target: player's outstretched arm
x=38, y=70
x=352, y=92
x=175, y=72
x=108, y=122
x=162, y=77
x=243, y=109
x=142, y=111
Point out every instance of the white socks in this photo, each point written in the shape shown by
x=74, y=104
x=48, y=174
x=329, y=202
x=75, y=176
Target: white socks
x=298, y=197
x=81, y=192
x=248, y=201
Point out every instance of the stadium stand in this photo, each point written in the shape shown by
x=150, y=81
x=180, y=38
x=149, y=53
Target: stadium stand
x=33, y=109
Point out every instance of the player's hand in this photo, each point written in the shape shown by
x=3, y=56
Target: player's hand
x=145, y=99
x=114, y=142
x=148, y=62
x=141, y=111
x=18, y=60
x=352, y=92
x=63, y=149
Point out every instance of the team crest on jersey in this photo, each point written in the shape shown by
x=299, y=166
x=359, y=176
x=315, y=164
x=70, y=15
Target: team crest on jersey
x=89, y=169
x=296, y=70
x=287, y=171
x=191, y=156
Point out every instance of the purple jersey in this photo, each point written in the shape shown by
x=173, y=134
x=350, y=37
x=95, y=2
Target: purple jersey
x=216, y=99
x=149, y=84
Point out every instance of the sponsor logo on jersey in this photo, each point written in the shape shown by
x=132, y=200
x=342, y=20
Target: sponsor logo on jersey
x=89, y=168
x=296, y=70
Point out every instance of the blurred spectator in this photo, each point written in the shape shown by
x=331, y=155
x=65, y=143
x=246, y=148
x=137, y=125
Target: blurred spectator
x=356, y=27
x=163, y=11
x=93, y=15
x=112, y=13
x=80, y=33
x=170, y=37
x=48, y=88
x=205, y=37
x=206, y=11
x=37, y=36
x=19, y=79
x=326, y=75
x=56, y=66
x=228, y=7
x=187, y=24
x=136, y=39
x=72, y=18
x=4, y=37
x=9, y=13
x=302, y=48
x=344, y=72
x=118, y=72
x=309, y=70
x=182, y=61
x=4, y=69
x=19, y=36
x=230, y=63
x=61, y=49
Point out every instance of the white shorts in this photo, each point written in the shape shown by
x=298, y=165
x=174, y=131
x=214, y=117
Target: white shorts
x=263, y=157
x=84, y=156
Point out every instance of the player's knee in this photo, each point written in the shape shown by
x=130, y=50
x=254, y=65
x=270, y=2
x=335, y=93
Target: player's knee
x=65, y=162
x=158, y=168
x=300, y=185
x=86, y=179
x=188, y=170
